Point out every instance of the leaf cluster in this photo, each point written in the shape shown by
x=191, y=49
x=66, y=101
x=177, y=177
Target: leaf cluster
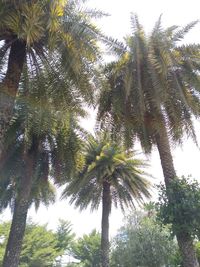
x=47, y=132
x=179, y=205
x=87, y=250
x=104, y=160
x=60, y=36
x=154, y=81
x=142, y=242
x=41, y=247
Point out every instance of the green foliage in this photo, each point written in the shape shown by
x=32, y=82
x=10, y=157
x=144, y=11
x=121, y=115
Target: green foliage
x=142, y=242
x=197, y=246
x=107, y=164
x=62, y=28
x=104, y=160
x=41, y=247
x=87, y=250
x=179, y=205
x=40, y=131
x=64, y=235
x=176, y=258
x=154, y=81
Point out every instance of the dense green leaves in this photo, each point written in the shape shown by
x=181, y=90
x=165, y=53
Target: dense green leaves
x=41, y=247
x=179, y=205
x=142, y=242
x=57, y=38
x=87, y=250
x=47, y=26
x=64, y=235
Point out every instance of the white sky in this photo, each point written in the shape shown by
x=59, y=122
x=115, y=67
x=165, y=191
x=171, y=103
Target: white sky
x=187, y=159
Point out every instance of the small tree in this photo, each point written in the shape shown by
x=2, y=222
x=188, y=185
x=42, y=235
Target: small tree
x=87, y=250
x=65, y=239
x=142, y=242
x=182, y=209
x=40, y=246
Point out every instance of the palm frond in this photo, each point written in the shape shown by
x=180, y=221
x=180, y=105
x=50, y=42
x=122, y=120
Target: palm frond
x=104, y=161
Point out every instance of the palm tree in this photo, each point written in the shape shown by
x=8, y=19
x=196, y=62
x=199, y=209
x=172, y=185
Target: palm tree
x=43, y=141
x=42, y=192
x=54, y=35
x=28, y=171
x=152, y=94
x=109, y=175
x=22, y=185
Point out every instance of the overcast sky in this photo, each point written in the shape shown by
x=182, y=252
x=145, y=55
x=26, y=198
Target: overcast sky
x=186, y=159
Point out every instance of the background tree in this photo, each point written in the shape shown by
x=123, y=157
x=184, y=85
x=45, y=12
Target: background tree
x=87, y=250
x=109, y=175
x=40, y=247
x=143, y=242
x=65, y=238
x=152, y=94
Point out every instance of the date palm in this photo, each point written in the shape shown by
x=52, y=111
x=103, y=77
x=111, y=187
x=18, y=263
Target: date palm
x=42, y=34
x=152, y=95
x=42, y=141
x=109, y=176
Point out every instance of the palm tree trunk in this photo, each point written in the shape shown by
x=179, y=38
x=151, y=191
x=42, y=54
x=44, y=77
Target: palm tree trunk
x=17, y=230
x=106, y=207
x=9, y=86
x=184, y=239
x=162, y=142
x=186, y=246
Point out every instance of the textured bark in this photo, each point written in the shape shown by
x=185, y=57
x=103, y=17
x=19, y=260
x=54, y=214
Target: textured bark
x=184, y=240
x=166, y=159
x=186, y=246
x=106, y=207
x=17, y=230
x=9, y=86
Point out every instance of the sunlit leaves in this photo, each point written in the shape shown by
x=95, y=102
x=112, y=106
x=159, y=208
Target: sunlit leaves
x=106, y=161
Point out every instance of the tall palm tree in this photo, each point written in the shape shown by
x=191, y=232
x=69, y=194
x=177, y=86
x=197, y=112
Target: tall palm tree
x=109, y=175
x=43, y=34
x=152, y=93
x=42, y=141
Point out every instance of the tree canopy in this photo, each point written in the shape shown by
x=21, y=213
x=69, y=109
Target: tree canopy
x=41, y=247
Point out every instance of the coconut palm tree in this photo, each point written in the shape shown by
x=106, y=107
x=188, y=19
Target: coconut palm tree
x=152, y=94
x=109, y=176
x=42, y=142
x=42, y=34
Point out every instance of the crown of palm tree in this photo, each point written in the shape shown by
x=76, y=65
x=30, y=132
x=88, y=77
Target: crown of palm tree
x=49, y=132
x=45, y=26
x=107, y=162
x=155, y=79
x=59, y=37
